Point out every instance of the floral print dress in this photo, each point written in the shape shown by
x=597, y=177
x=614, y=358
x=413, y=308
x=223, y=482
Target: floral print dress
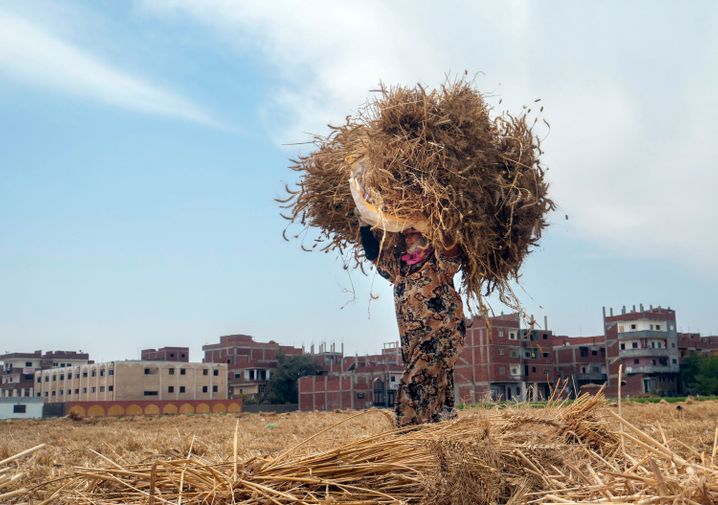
x=430, y=316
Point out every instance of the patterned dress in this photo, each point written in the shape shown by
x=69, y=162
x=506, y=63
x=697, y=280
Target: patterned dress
x=430, y=315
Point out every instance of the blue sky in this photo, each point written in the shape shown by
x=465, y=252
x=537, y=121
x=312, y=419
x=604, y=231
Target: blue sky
x=142, y=144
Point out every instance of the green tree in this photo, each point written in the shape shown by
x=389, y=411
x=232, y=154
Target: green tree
x=283, y=383
x=689, y=370
x=699, y=375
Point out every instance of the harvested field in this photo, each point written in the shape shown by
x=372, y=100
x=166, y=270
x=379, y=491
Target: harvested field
x=488, y=456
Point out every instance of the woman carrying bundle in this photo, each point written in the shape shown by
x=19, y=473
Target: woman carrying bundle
x=430, y=315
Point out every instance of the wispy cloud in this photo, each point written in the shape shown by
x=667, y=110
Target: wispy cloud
x=629, y=107
x=30, y=54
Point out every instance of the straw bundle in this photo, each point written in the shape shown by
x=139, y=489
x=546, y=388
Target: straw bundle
x=10, y=474
x=440, y=156
x=565, y=453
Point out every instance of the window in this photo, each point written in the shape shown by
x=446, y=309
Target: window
x=633, y=326
x=62, y=376
x=77, y=391
x=501, y=333
x=623, y=346
x=215, y=388
x=183, y=371
x=84, y=374
x=77, y=375
x=533, y=369
x=675, y=361
x=658, y=327
x=19, y=409
x=170, y=389
x=28, y=363
x=150, y=393
x=205, y=371
x=634, y=345
x=53, y=393
x=171, y=371
x=545, y=336
x=215, y=372
x=151, y=371
x=636, y=361
x=182, y=389
x=102, y=373
x=111, y=371
x=47, y=378
x=545, y=355
x=512, y=335
x=502, y=370
x=501, y=351
x=39, y=379
x=94, y=373
x=102, y=389
x=204, y=389
x=93, y=390
x=54, y=378
x=110, y=387
x=182, y=355
x=84, y=390
x=594, y=353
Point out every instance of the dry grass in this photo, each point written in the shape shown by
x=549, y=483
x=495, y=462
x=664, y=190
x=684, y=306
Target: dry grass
x=442, y=155
x=566, y=454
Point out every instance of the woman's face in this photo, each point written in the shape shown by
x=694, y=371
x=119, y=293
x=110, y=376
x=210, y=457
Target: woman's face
x=411, y=238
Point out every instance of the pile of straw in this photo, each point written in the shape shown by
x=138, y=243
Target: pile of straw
x=441, y=156
x=10, y=474
x=562, y=454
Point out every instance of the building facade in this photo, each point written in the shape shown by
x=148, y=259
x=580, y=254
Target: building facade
x=645, y=342
x=133, y=380
x=21, y=408
x=17, y=370
x=249, y=363
x=166, y=354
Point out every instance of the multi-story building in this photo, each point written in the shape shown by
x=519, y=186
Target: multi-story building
x=166, y=354
x=249, y=363
x=645, y=342
x=352, y=382
x=694, y=344
x=17, y=370
x=133, y=380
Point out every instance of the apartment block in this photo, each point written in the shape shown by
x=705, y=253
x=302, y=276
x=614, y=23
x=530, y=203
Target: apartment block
x=166, y=354
x=17, y=370
x=645, y=342
x=249, y=363
x=133, y=380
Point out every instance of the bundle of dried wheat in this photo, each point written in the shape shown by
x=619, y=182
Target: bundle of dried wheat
x=10, y=474
x=568, y=452
x=438, y=155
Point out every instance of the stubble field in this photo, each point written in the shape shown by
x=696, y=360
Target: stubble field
x=689, y=429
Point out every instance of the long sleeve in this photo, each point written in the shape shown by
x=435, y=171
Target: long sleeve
x=369, y=243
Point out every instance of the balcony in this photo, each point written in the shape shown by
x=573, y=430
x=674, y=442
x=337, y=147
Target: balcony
x=591, y=376
x=631, y=335
x=650, y=351
x=651, y=369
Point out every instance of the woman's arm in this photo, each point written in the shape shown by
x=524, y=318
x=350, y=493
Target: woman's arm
x=369, y=243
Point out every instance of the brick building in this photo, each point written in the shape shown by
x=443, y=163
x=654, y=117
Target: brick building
x=249, y=363
x=353, y=382
x=693, y=343
x=166, y=354
x=17, y=370
x=645, y=342
x=132, y=380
